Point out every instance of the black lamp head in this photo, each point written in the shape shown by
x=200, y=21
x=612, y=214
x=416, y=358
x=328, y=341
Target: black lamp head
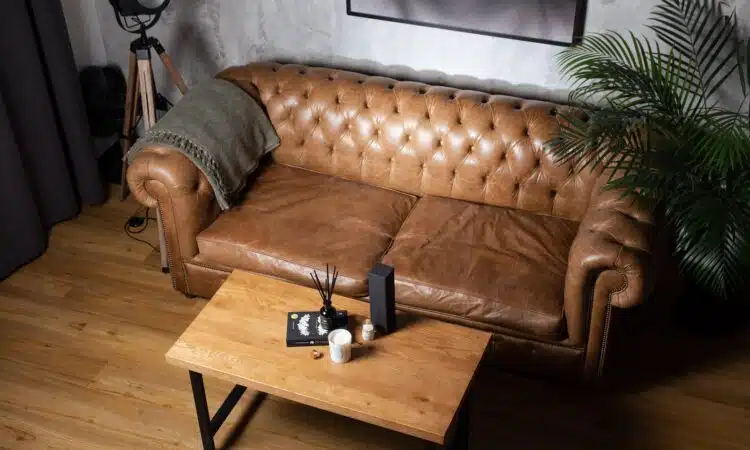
x=129, y=14
x=129, y=8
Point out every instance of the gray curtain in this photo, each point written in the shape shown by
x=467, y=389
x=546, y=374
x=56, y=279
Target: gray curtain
x=48, y=167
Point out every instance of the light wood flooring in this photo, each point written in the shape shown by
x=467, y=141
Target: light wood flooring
x=84, y=329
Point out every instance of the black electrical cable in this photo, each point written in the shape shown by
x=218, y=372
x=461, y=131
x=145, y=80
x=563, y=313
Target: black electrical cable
x=131, y=229
x=128, y=26
x=138, y=20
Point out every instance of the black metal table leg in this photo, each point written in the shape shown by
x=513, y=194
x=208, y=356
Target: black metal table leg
x=201, y=408
x=460, y=440
x=209, y=426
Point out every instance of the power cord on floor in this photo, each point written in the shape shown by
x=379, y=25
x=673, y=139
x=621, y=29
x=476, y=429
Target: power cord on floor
x=137, y=224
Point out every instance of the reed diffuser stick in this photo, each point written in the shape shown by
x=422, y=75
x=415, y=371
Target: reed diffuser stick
x=318, y=286
x=328, y=286
x=333, y=281
x=326, y=289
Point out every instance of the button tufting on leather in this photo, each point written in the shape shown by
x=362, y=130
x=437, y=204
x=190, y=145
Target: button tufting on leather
x=382, y=124
x=302, y=71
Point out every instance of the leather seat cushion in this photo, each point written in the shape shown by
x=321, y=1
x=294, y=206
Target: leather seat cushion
x=293, y=221
x=497, y=266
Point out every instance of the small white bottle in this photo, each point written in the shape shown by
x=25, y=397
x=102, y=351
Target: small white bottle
x=368, y=331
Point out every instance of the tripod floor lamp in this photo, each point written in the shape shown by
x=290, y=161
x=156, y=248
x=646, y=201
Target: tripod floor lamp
x=141, y=94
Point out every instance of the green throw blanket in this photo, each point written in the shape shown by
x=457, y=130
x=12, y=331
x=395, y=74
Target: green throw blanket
x=221, y=129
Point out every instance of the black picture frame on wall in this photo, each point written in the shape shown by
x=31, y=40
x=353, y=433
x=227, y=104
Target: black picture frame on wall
x=549, y=17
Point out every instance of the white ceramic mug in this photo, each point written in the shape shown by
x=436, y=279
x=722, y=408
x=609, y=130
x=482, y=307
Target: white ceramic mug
x=340, y=345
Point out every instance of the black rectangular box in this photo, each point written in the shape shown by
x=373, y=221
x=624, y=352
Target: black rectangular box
x=302, y=328
x=382, y=298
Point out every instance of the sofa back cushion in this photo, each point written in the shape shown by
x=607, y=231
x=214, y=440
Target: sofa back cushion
x=417, y=138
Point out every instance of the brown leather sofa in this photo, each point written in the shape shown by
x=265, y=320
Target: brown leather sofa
x=453, y=188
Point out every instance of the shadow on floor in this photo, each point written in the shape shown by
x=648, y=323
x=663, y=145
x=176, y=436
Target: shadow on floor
x=663, y=387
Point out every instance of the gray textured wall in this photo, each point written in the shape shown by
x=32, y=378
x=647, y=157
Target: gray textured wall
x=204, y=36
x=82, y=18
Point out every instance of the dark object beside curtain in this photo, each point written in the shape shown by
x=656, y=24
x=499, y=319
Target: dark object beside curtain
x=48, y=168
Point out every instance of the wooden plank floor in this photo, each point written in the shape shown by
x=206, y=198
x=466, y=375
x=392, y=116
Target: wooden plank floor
x=84, y=328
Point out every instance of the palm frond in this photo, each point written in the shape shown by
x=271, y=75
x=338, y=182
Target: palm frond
x=743, y=64
x=703, y=36
x=722, y=142
x=596, y=139
x=629, y=73
x=651, y=120
x=711, y=233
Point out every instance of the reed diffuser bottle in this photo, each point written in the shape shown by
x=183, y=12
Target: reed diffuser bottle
x=327, y=311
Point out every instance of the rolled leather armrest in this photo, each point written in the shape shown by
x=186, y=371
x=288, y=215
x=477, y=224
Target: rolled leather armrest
x=608, y=266
x=166, y=179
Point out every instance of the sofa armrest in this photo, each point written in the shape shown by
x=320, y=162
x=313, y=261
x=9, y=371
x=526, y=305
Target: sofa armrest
x=607, y=267
x=164, y=178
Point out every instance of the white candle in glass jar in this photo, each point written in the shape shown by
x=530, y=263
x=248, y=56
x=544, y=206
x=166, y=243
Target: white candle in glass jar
x=340, y=345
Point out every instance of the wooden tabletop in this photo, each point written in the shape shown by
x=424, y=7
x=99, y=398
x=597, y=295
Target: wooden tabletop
x=412, y=381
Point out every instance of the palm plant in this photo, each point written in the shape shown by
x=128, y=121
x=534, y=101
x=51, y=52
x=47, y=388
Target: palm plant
x=657, y=114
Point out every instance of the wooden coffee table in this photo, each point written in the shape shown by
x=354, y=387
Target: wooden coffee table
x=415, y=381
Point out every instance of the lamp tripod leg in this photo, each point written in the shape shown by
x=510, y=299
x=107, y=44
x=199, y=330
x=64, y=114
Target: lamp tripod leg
x=145, y=83
x=148, y=106
x=177, y=79
x=131, y=106
x=173, y=72
x=141, y=84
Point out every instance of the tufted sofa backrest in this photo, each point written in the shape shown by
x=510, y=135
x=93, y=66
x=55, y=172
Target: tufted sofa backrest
x=417, y=138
